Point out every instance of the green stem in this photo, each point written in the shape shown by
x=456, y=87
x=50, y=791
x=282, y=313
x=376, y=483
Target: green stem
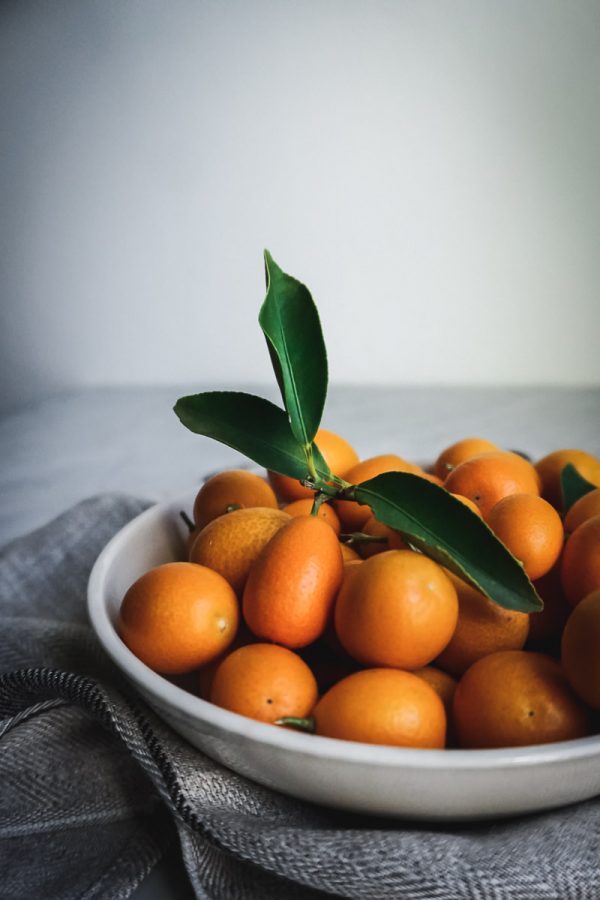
x=359, y=537
x=187, y=521
x=232, y=507
x=321, y=486
x=294, y=722
x=320, y=498
x=341, y=490
x=343, y=485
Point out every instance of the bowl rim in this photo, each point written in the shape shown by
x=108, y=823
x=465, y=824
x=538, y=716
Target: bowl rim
x=189, y=705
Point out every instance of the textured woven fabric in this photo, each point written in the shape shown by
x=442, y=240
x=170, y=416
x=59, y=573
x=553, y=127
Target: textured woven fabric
x=93, y=787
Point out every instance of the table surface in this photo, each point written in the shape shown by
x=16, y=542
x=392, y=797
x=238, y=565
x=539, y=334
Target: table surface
x=66, y=447
x=73, y=445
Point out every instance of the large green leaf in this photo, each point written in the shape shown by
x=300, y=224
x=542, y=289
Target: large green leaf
x=573, y=486
x=255, y=427
x=446, y=530
x=290, y=322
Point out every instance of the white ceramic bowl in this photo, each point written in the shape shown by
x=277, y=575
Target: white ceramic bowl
x=415, y=784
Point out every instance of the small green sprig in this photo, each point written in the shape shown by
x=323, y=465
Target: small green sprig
x=428, y=517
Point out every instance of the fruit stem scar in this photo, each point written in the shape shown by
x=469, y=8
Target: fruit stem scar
x=232, y=507
x=295, y=722
x=222, y=624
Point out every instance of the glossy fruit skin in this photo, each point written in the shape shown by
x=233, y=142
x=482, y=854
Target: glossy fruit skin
x=398, y=609
x=264, y=682
x=349, y=554
x=545, y=627
x=234, y=487
x=382, y=706
x=582, y=510
x=429, y=476
x=354, y=515
x=375, y=528
x=189, y=542
x=350, y=567
x=292, y=585
x=443, y=684
x=329, y=636
x=470, y=503
x=338, y=454
x=580, y=565
x=483, y=627
x=459, y=452
x=487, y=478
x=206, y=673
x=304, y=507
x=515, y=698
x=531, y=529
x=580, y=649
x=549, y=469
x=231, y=543
x=178, y=616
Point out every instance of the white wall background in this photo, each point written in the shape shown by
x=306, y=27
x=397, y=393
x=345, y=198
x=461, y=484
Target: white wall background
x=430, y=169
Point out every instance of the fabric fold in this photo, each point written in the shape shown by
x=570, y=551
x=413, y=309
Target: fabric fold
x=94, y=786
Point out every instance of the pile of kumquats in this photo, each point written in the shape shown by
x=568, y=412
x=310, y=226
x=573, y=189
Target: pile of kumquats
x=303, y=610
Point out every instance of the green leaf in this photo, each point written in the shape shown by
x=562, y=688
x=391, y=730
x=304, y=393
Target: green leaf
x=251, y=425
x=573, y=486
x=290, y=322
x=446, y=530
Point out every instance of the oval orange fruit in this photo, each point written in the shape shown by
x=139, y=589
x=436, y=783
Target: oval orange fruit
x=546, y=626
x=550, y=467
x=582, y=510
x=374, y=528
x=459, y=452
x=349, y=554
x=470, y=503
x=580, y=649
x=442, y=683
x=264, y=682
x=382, y=706
x=531, y=529
x=235, y=487
x=514, y=698
x=178, y=616
x=487, y=478
x=483, y=627
x=397, y=609
x=292, y=585
x=580, y=564
x=303, y=508
x=230, y=543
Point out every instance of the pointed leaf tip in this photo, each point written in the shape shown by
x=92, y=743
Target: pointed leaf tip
x=446, y=530
x=573, y=486
x=291, y=325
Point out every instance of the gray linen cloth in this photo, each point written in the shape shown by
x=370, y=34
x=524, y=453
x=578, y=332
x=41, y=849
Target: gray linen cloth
x=94, y=787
